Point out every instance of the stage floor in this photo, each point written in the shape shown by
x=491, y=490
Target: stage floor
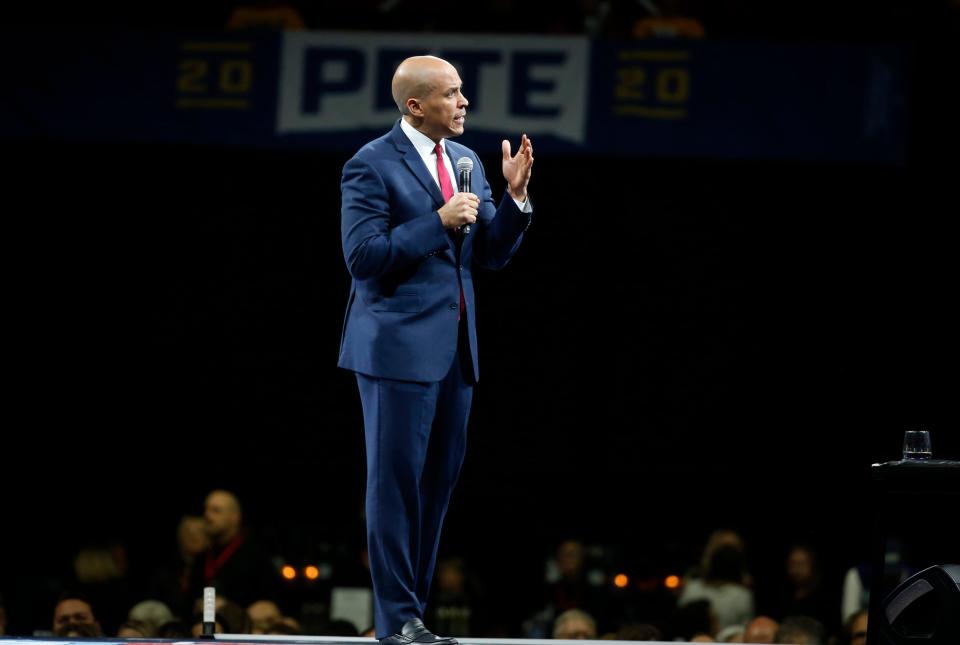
x=225, y=639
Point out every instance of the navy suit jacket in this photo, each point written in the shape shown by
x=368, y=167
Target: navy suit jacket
x=401, y=318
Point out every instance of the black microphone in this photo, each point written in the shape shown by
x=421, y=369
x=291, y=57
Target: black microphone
x=464, y=172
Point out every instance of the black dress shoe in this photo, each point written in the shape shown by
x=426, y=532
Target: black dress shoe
x=414, y=631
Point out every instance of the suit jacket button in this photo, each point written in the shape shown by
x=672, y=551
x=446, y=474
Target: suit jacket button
x=454, y=305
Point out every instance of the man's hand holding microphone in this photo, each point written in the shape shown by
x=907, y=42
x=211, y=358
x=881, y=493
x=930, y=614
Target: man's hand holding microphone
x=461, y=210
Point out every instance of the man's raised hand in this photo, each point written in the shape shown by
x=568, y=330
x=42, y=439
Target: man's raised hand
x=516, y=169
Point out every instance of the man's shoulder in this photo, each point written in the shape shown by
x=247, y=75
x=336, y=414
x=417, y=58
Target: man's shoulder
x=379, y=145
x=456, y=149
x=377, y=156
x=383, y=146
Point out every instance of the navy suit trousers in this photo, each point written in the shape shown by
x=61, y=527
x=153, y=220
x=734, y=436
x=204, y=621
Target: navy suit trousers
x=416, y=439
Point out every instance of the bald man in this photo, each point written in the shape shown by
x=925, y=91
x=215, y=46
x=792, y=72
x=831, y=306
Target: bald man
x=232, y=563
x=761, y=629
x=409, y=331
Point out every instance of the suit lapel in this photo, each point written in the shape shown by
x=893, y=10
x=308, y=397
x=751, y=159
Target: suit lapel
x=414, y=162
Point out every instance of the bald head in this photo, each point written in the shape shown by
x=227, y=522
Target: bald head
x=417, y=77
x=761, y=629
x=429, y=93
x=262, y=613
x=222, y=514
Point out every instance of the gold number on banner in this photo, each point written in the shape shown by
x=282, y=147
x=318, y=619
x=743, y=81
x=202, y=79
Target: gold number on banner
x=236, y=76
x=630, y=87
x=217, y=75
x=193, y=75
x=653, y=84
x=673, y=85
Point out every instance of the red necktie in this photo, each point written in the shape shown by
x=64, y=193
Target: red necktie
x=446, y=187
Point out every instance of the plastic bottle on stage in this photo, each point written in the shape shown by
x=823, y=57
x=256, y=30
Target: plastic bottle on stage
x=916, y=445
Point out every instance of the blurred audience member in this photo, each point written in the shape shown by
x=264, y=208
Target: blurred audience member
x=574, y=624
x=233, y=564
x=692, y=619
x=174, y=630
x=135, y=629
x=855, y=595
x=261, y=614
x=197, y=630
x=73, y=617
x=804, y=592
x=761, y=629
x=730, y=600
x=151, y=613
x=855, y=629
x=719, y=539
x=171, y=582
x=287, y=626
x=456, y=606
x=568, y=586
x=277, y=15
x=638, y=632
x=341, y=627
x=801, y=630
x=731, y=634
x=100, y=577
x=670, y=19
x=233, y=619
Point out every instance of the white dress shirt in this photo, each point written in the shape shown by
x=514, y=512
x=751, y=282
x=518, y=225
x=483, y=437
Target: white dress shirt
x=425, y=146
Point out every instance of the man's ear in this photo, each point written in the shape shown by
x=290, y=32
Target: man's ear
x=414, y=107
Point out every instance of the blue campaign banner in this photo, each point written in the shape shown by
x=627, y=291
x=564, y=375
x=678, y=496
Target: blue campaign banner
x=333, y=83
x=146, y=87
x=331, y=91
x=749, y=100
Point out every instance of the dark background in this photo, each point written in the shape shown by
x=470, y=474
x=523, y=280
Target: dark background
x=678, y=345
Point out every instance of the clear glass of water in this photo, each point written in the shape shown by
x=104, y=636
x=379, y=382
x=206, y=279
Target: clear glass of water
x=916, y=445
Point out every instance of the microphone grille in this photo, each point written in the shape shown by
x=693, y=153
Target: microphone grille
x=465, y=163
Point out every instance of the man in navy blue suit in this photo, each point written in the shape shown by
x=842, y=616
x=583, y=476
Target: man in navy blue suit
x=409, y=332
